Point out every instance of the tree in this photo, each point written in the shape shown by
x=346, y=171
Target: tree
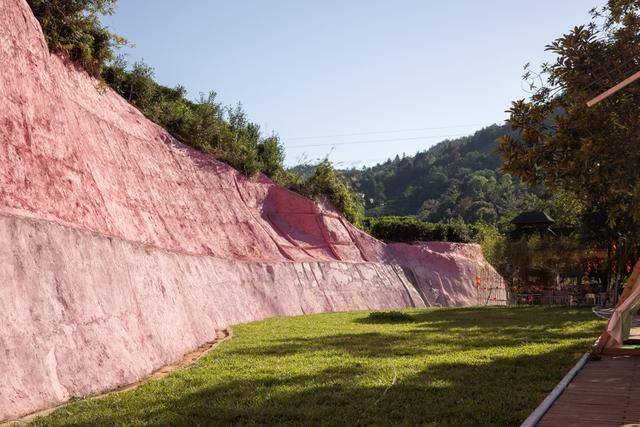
x=591, y=154
x=73, y=27
x=455, y=178
x=326, y=182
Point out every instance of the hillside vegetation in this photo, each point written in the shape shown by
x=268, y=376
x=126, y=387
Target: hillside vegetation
x=72, y=28
x=458, y=178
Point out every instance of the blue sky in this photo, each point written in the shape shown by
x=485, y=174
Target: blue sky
x=310, y=71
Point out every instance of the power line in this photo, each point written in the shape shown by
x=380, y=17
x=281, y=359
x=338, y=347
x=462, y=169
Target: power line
x=384, y=131
x=357, y=162
x=376, y=141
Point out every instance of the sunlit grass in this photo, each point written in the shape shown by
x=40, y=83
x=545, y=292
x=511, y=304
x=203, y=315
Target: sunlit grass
x=474, y=366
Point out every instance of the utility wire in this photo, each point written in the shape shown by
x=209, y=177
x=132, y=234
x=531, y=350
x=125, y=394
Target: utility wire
x=385, y=131
x=376, y=141
x=358, y=162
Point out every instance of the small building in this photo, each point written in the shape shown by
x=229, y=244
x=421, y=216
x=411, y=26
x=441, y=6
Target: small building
x=533, y=221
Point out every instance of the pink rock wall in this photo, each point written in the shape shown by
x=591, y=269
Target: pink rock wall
x=121, y=249
x=84, y=313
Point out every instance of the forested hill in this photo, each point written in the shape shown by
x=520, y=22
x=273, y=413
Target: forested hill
x=455, y=178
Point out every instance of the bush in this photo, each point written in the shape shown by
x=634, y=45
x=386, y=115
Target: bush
x=73, y=27
x=204, y=124
x=389, y=316
x=493, y=243
x=410, y=229
x=326, y=182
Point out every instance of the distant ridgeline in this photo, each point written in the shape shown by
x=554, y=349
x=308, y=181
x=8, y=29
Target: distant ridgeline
x=458, y=178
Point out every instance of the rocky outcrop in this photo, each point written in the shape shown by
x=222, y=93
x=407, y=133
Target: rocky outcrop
x=122, y=249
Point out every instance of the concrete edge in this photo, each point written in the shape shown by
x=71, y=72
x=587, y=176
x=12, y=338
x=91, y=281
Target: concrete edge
x=542, y=409
x=600, y=314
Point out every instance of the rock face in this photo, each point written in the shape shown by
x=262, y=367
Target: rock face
x=121, y=249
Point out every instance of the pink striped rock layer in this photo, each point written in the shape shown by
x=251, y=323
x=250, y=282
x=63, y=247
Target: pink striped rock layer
x=122, y=249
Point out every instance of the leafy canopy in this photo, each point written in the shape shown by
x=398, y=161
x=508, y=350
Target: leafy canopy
x=203, y=124
x=592, y=153
x=458, y=178
x=73, y=27
x=410, y=230
x=326, y=182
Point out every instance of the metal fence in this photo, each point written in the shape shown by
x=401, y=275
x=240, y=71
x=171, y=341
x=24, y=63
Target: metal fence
x=558, y=298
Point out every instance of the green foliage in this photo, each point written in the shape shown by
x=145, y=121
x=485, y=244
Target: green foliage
x=411, y=229
x=590, y=153
x=73, y=27
x=388, y=317
x=204, y=124
x=457, y=178
x=493, y=243
x=543, y=260
x=534, y=259
x=453, y=367
x=326, y=182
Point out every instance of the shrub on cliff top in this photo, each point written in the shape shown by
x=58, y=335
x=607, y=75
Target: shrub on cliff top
x=410, y=229
x=204, y=124
x=326, y=182
x=73, y=27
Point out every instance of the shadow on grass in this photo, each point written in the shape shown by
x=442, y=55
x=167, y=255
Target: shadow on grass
x=435, y=332
x=442, y=394
x=491, y=388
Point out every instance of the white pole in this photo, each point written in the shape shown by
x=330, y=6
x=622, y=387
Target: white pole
x=537, y=415
x=616, y=88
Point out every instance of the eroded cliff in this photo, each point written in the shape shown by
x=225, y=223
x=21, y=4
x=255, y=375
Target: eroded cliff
x=122, y=249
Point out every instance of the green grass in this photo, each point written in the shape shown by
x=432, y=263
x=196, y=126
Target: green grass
x=473, y=366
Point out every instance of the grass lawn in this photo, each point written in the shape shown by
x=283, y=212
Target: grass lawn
x=471, y=366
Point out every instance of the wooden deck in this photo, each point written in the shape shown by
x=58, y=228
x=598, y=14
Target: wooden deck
x=604, y=393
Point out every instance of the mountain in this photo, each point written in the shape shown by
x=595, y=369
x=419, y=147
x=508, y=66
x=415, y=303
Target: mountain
x=455, y=178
